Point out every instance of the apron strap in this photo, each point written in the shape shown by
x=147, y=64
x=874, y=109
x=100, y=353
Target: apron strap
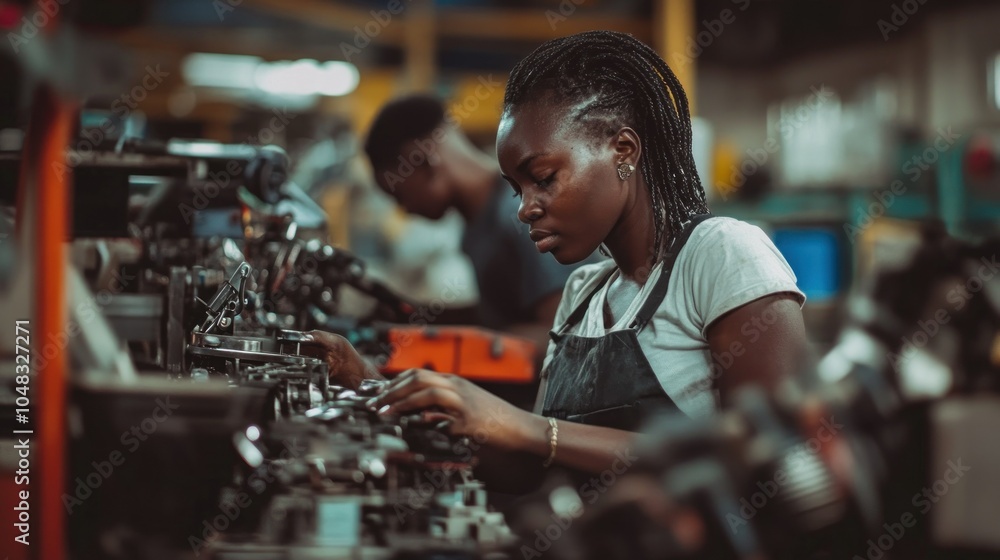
x=577, y=315
x=659, y=290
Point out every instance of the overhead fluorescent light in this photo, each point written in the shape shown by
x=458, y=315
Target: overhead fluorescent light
x=221, y=70
x=305, y=77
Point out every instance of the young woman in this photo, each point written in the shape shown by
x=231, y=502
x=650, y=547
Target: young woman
x=595, y=139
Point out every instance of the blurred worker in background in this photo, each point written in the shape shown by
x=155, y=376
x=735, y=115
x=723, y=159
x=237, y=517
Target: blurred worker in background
x=429, y=166
x=417, y=258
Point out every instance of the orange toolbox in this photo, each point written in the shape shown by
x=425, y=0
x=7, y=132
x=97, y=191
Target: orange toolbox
x=474, y=353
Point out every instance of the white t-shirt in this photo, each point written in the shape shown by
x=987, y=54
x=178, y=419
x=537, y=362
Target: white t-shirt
x=725, y=264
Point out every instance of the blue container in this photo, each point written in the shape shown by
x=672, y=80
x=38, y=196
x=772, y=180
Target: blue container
x=814, y=255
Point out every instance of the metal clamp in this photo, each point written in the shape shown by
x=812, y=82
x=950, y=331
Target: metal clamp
x=228, y=302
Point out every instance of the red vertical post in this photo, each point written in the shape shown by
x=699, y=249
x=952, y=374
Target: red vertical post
x=52, y=124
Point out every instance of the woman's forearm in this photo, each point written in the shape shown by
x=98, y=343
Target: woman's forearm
x=590, y=449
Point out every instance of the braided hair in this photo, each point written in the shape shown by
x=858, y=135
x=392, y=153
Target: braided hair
x=621, y=81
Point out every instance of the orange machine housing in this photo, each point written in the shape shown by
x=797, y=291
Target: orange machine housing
x=474, y=353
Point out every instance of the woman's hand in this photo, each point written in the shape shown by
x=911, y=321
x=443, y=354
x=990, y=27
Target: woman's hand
x=347, y=367
x=471, y=410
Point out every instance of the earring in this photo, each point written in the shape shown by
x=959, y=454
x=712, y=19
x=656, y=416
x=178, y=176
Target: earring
x=625, y=170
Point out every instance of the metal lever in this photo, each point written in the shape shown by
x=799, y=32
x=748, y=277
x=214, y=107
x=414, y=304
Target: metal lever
x=228, y=301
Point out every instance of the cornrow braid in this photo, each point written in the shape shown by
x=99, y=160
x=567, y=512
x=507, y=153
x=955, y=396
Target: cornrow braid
x=621, y=81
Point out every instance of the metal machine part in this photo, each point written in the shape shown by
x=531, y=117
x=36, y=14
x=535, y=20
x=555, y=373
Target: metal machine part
x=213, y=349
x=301, y=285
x=348, y=483
x=174, y=332
x=240, y=343
x=299, y=382
x=228, y=302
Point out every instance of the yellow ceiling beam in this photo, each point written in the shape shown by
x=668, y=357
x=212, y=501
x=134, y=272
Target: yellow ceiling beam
x=674, y=26
x=421, y=46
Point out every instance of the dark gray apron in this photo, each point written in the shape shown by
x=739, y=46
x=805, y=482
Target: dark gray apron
x=607, y=380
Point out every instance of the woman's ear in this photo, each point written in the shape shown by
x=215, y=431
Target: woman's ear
x=627, y=146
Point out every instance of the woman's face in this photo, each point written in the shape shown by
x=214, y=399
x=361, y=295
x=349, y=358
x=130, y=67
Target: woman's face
x=571, y=195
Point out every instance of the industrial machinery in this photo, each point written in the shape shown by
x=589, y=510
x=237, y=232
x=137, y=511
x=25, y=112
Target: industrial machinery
x=223, y=477
x=195, y=255
x=345, y=483
x=262, y=457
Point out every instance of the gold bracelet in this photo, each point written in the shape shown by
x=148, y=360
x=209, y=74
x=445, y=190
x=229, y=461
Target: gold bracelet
x=553, y=442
